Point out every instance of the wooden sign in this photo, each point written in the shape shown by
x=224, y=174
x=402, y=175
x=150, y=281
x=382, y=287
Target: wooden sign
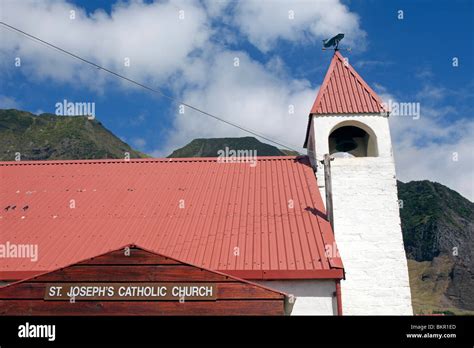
x=135, y=281
x=130, y=291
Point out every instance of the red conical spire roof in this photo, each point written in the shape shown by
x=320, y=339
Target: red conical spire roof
x=344, y=92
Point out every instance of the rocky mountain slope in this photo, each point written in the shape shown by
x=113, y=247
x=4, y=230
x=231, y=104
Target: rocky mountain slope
x=437, y=225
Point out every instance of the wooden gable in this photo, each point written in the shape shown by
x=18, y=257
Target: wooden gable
x=134, y=281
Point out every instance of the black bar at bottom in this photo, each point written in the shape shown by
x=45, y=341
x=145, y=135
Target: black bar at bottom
x=418, y=330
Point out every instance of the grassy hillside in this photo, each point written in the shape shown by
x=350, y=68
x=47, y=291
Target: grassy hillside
x=51, y=137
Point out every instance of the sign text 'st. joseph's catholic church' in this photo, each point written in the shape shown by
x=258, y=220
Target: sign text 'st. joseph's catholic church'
x=130, y=291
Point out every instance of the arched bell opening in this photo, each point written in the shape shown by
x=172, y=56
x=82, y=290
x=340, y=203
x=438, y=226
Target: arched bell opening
x=352, y=141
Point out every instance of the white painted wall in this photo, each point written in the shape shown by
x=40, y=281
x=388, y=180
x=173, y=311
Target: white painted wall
x=371, y=123
x=313, y=297
x=366, y=221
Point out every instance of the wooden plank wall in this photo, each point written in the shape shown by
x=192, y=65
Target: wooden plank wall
x=233, y=297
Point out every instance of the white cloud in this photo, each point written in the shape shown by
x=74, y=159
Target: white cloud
x=139, y=142
x=372, y=63
x=164, y=50
x=431, y=147
x=137, y=119
x=216, y=8
x=431, y=93
x=152, y=36
x=7, y=102
x=249, y=95
x=265, y=22
x=451, y=164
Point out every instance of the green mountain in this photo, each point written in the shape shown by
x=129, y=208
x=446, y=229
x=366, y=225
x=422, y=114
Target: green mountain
x=51, y=137
x=435, y=219
x=211, y=147
x=437, y=225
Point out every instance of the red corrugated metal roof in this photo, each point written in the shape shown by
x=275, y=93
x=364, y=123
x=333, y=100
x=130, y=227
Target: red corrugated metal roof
x=229, y=209
x=344, y=92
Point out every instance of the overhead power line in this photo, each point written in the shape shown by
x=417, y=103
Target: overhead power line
x=154, y=90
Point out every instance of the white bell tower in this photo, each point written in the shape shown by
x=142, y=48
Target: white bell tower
x=349, y=122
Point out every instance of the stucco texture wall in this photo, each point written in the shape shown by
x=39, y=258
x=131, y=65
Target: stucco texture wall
x=367, y=222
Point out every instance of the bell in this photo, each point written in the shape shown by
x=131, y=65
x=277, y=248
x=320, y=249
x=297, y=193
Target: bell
x=345, y=144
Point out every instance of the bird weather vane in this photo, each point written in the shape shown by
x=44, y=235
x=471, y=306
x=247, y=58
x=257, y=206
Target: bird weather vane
x=333, y=43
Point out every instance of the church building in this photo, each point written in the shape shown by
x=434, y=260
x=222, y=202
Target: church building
x=256, y=239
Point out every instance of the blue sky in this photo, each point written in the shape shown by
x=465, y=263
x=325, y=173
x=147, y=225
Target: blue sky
x=280, y=63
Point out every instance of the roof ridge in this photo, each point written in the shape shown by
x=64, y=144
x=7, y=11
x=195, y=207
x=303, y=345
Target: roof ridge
x=138, y=160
